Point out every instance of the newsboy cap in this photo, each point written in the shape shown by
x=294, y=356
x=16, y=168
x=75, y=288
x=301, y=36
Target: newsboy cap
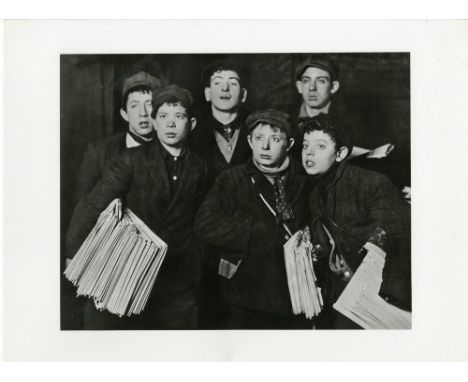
x=318, y=61
x=172, y=94
x=270, y=117
x=140, y=79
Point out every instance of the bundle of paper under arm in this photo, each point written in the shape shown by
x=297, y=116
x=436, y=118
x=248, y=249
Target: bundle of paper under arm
x=305, y=294
x=360, y=301
x=118, y=263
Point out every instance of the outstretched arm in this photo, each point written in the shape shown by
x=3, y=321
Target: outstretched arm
x=114, y=184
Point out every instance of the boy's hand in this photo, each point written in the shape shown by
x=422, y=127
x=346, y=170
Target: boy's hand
x=303, y=237
x=316, y=252
x=118, y=209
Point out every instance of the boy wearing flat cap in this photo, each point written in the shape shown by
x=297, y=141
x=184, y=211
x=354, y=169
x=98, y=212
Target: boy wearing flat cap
x=317, y=81
x=137, y=93
x=221, y=136
x=247, y=216
x=358, y=206
x=163, y=183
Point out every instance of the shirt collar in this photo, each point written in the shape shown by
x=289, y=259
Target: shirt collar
x=303, y=112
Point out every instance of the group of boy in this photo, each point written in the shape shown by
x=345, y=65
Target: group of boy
x=228, y=195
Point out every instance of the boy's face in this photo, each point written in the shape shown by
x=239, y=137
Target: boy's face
x=269, y=145
x=172, y=124
x=319, y=152
x=138, y=112
x=225, y=92
x=316, y=87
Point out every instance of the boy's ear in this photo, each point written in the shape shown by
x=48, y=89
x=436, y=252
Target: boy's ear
x=207, y=94
x=124, y=114
x=299, y=87
x=244, y=95
x=335, y=87
x=249, y=139
x=193, y=123
x=290, y=144
x=342, y=153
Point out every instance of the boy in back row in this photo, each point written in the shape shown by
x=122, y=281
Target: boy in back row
x=163, y=183
x=136, y=107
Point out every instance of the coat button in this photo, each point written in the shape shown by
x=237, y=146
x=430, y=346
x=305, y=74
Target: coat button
x=174, y=177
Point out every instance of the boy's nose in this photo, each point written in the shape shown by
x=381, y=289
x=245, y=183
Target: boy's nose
x=225, y=87
x=143, y=111
x=266, y=144
x=312, y=85
x=310, y=151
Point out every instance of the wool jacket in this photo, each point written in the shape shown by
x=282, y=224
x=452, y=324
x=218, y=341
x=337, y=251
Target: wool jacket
x=203, y=142
x=139, y=177
x=237, y=224
x=354, y=202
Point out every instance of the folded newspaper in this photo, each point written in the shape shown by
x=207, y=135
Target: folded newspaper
x=360, y=301
x=118, y=263
x=305, y=294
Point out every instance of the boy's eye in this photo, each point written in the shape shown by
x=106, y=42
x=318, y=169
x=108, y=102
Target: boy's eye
x=161, y=116
x=321, y=81
x=257, y=138
x=305, y=146
x=305, y=80
x=276, y=139
x=321, y=147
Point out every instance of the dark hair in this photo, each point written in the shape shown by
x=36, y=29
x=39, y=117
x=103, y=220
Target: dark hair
x=139, y=89
x=328, y=125
x=172, y=100
x=223, y=65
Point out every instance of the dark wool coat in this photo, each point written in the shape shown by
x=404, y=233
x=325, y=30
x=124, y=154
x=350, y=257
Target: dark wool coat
x=203, y=142
x=97, y=159
x=140, y=177
x=234, y=220
x=355, y=202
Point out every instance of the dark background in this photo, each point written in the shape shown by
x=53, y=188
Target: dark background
x=377, y=85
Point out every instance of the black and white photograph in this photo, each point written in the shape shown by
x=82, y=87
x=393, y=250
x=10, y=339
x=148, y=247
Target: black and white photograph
x=235, y=191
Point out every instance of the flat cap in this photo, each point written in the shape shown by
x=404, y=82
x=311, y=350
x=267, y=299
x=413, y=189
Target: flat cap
x=271, y=117
x=172, y=94
x=140, y=79
x=318, y=61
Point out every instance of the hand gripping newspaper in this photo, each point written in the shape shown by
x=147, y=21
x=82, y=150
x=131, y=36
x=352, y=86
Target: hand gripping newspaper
x=305, y=295
x=118, y=263
x=360, y=300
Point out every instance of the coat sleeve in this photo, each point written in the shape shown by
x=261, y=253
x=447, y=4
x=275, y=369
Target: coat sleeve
x=89, y=173
x=115, y=183
x=388, y=211
x=219, y=223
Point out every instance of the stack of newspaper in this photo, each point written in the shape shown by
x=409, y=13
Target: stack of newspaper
x=360, y=301
x=118, y=262
x=305, y=294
